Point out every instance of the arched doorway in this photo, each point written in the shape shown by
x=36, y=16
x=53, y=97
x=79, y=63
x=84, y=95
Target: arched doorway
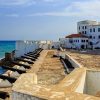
x=82, y=47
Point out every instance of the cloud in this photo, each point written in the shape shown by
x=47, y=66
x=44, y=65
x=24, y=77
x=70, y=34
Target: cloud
x=90, y=7
x=51, y=14
x=76, y=8
x=16, y=2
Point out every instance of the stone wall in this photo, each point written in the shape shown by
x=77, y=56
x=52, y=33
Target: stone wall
x=23, y=47
x=92, y=82
x=74, y=63
x=21, y=96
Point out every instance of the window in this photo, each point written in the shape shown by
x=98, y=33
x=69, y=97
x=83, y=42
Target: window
x=85, y=27
x=94, y=37
x=98, y=29
x=85, y=32
x=70, y=41
x=93, y=29
x=86, y=40
x=78, y=40
x=82, y=40
x=79, y=27
x=90, y=30
x=90, y=37
x=91, y=43
x=99, y=36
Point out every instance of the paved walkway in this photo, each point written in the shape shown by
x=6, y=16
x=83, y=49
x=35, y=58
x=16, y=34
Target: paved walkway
x=49, y=69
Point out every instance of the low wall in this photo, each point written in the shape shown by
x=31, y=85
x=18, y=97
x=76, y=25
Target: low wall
x=74, y=63
x=23, y=47
x=21, y=96
x=81, y=86
x=92, y=82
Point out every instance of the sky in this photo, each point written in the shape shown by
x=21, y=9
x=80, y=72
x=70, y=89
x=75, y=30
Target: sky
x=44, y=19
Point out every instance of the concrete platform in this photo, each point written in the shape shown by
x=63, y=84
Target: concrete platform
x=74, y=86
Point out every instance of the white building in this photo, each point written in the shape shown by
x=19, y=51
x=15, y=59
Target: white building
x=23, y=47
x=92, y=30
x=45, y=44
x=88, y=36
x=55, y=45
x=75, y=41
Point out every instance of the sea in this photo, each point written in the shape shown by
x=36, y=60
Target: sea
x=6, y=46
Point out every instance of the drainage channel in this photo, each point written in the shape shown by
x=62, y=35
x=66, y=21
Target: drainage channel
x=67, y=65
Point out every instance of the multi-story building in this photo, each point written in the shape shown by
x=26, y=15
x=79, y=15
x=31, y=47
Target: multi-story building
x=88, y=36
x=91, y=29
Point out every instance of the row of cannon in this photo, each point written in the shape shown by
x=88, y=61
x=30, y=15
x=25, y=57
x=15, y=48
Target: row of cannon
x=15, y=68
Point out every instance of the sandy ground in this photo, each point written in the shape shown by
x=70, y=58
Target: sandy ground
x=89, y=59
x=51, y=70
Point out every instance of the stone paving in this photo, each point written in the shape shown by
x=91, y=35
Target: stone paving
x=51, y=70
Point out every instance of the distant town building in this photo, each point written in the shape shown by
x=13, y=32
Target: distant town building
x=45, y=44
x=55, y=45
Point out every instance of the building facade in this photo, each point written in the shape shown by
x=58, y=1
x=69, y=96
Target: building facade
x=88, y=36
x=75, y=41
x=91, y=29
x=23, y=47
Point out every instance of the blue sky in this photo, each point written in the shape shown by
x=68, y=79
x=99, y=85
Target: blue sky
x=44, y=19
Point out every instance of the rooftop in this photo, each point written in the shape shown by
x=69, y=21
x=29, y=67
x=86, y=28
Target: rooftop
x=76, y=36
x=88, y=22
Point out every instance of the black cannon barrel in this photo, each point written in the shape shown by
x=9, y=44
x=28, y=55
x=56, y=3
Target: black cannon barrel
x=24, y=60
x=10, y=79
x=4, y=95
x=33, y=59
x=17, y=63
x=32, y=53
x=13, y=69
x=68, y=66
x=35, y=55
x=68, y=63
x=35, y=52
